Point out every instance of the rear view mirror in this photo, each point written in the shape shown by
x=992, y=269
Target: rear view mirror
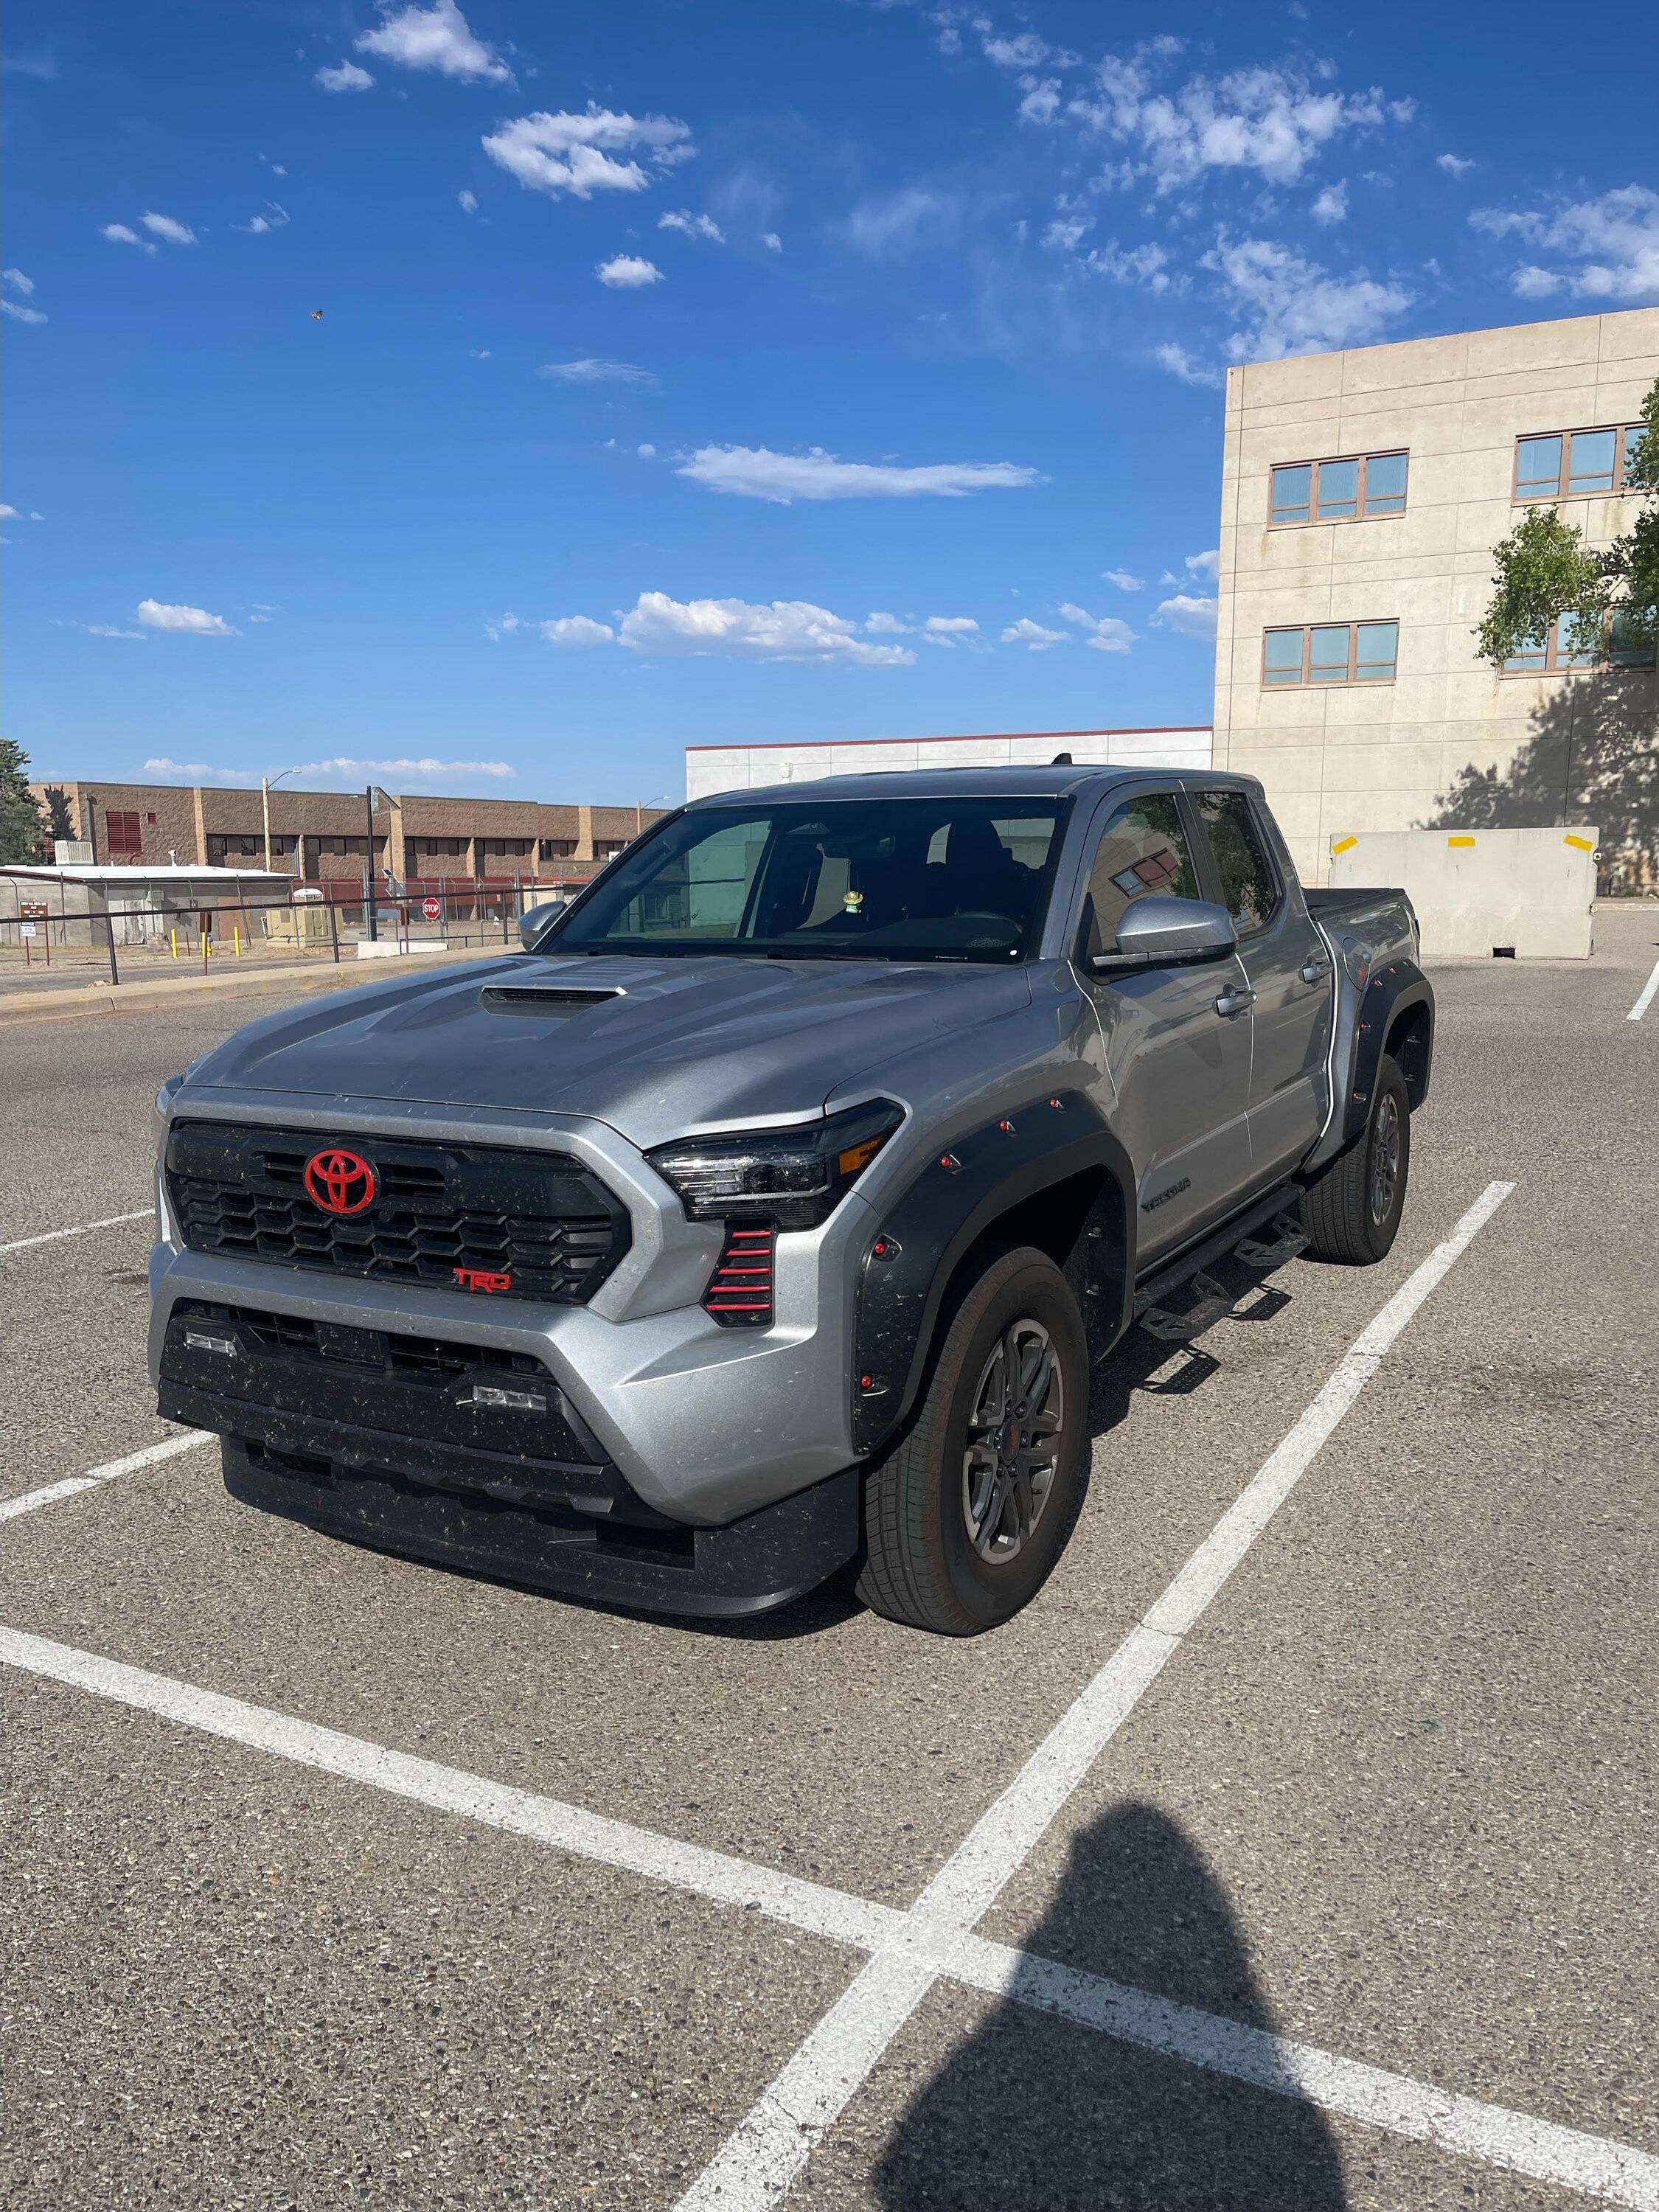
x=1153, y=931
x=534, y=920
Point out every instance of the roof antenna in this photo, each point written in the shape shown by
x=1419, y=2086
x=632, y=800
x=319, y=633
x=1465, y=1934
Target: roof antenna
x=1062, y=760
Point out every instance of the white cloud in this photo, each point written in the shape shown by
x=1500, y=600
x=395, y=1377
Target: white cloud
x=646, y=453
x=886, y=228
x=1193, y=617
x=108, y=629
x=1272, y=121
x=1067, y=232
x=692, y=226
x=344, y=76
x=468, y=203
x=1453, y=164
x=36, y=515
x=424, y=768
x=787, y=629
x=770, y=240
x=1032, y=634
x=1106, y=633
x=568, y=153
x=881, y=624
x=17, y=281
x=1123, y=580
x=119, y=235
x=1040, y=104
x=958, y=625
x=164, y=226
x=480, y=353
x=1293, y=304
x=1332, y=205
x=1145, y=265
x=434, y=38
x=8, y=514
x=1180, y=363
x=274, y=218
x=157, y=615
x=1026, y=52
x=1205, y=565
x=757, y=472
x=577, y=630
x=1613, y=240
x=627, y=272
x=20, y=314
x=592, y=371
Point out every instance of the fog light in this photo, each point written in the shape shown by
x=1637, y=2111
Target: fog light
x=198, y=1339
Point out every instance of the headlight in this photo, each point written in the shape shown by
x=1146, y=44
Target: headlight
x=165, y=1097
x=793, y=1178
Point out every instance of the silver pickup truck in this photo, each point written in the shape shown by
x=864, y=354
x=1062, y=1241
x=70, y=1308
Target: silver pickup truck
x=764, y=1215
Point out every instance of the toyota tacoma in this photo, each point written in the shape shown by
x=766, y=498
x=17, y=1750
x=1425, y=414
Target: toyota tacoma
x=762, y=1216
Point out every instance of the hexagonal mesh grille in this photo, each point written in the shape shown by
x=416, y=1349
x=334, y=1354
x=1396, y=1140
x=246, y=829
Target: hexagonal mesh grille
x=441, y=1212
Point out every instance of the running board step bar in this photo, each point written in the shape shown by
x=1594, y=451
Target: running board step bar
x=1291, y=1239
x=1214, y=1304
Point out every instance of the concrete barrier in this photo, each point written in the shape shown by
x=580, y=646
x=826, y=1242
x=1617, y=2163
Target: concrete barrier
x=1477, y=891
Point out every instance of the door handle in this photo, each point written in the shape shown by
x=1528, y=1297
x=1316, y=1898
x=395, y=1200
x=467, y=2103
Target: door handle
x=1314, y=972
x=1234, y=999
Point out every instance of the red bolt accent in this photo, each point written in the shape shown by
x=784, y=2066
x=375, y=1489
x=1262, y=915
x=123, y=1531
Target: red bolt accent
x=866, y=1381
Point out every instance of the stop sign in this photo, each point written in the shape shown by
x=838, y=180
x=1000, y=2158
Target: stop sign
x=429, y=908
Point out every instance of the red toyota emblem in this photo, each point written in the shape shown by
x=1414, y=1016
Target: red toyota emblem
x=340, y=1181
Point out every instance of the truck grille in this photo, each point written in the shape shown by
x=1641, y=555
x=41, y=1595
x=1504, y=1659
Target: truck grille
x=521, y=1224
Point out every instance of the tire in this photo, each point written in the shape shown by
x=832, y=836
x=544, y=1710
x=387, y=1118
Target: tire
x=1352, y=1214
x=959, y=1533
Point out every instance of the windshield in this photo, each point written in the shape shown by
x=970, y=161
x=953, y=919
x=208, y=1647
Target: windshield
x=864, y=879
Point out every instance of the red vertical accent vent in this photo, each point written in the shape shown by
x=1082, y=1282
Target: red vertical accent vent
x=740, y=1294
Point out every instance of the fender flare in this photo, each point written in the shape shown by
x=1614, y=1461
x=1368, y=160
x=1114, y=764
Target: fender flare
x=922, y=1232
x=1391, y=991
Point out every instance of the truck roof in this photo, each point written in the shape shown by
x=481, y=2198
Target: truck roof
x=1041, y=780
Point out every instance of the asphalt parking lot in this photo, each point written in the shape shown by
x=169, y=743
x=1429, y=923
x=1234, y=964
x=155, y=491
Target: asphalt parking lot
x=1294, y=1850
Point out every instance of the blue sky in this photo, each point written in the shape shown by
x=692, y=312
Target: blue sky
x=678, y=365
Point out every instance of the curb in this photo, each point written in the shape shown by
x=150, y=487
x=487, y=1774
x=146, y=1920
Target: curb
x=138, y=998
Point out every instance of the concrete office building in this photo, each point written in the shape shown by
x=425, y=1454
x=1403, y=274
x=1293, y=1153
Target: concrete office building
x=746, y=767
x=322, y=837
x=1362, y=496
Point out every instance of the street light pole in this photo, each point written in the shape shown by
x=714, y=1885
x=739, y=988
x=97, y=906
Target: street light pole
x=265, y=783
x=371, y=889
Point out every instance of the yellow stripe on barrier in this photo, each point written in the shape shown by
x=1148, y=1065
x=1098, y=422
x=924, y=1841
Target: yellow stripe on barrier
x=1460, y=840
x=1583, y=843
x=1342, y=845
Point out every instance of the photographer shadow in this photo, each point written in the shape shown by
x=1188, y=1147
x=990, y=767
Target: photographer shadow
x=1036, y=2114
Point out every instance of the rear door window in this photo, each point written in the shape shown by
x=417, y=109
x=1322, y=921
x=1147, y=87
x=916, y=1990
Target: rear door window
x=1249, y=882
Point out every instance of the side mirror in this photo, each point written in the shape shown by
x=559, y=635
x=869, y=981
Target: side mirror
x=1154, y=931
x=533, y=921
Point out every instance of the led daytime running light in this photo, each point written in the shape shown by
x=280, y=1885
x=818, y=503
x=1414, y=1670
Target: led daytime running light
x=791, y=1178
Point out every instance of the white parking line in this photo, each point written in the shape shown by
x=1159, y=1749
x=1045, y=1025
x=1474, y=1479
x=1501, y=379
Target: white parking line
x=755, y=2166
x=904, y=1945
x=84, y=1229
x=11, y=1507
x=1649, y=990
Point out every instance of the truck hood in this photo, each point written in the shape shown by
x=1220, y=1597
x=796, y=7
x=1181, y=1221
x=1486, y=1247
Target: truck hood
x=682, y=1043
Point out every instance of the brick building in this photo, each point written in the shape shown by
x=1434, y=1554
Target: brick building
x=321, y=836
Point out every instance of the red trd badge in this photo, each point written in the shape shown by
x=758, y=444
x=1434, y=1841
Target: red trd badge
x=480, y=1279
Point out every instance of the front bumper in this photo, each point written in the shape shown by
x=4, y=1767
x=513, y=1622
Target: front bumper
x=753, y=1564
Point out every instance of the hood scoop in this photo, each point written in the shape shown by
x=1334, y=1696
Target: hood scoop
x=546, y=999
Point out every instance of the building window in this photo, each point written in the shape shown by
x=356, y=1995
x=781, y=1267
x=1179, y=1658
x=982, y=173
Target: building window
x=348, y=846
x=221, y=850
x=1351, y=490
x=506, y=848
x=606, y=848
x=1626, y=647
x=436, y=849
x=1575, y=463
x=558, y=848
x=122, y=833
x=1331, y=652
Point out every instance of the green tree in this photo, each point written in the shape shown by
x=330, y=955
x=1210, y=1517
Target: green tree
x=60, y=822
x=22, y=826
x=1544, y=569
